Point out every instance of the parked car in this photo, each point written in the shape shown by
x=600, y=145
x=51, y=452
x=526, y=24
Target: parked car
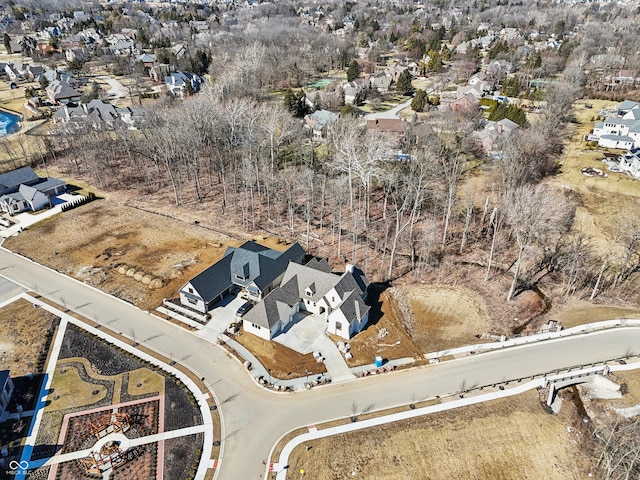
x=244, y=308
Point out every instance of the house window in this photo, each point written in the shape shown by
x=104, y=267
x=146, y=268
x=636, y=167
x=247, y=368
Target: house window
x=192, y=301
x=240, y=277
x=190, y=290
x=333, y=299
x=255, y=326
x=338, y=326
x=309, y=293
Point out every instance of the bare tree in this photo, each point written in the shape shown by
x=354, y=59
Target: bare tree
x=537, y=216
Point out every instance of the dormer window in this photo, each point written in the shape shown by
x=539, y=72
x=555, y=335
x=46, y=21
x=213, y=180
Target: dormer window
x=310, y=290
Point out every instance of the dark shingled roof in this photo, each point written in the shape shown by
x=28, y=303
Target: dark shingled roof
x=252, y=261
x=11, y=181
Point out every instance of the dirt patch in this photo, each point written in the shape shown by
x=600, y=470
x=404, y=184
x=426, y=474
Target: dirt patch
x=445, y=316
x=92, y=242
x=503, y=439
x=385, y=335
x=23, y=336
x=283, y=362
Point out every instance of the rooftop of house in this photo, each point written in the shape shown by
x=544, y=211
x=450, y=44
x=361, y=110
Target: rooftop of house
x=15, y=178
x=248, y=263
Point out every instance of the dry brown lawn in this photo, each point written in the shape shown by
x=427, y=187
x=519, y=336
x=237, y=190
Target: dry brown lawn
x=446, y=316
x=500, y=440
x=631, y=381
x=580, y=312
x=283, y=362
x=22, y=336
x=92, y=241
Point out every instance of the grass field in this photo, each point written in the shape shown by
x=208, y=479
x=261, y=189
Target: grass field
x=22, y=336
x=500, y=440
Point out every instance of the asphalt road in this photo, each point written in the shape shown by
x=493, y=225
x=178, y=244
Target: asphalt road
x=254, y=418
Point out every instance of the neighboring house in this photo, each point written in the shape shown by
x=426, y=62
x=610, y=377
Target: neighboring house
x=159, y=72
x=490, y=138
x=394, y=126
x=6, y=390
x=314, y=289
x=72, y=54
x=465, y=104
x=147, y=59
x=34, y=72
x=23, y=189
x=255, y=269
x=176, y=82
x=621, y=130
x=318, y=122
x=354, y=88
x=96, y=114
x=630, y=162
x=476, y=90
x=60, y=92
x=381, y=82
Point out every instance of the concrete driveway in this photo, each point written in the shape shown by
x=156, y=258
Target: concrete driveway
x=117, y=90
x=223, y=315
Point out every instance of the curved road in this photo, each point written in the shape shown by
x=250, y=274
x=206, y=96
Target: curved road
x=255, y=418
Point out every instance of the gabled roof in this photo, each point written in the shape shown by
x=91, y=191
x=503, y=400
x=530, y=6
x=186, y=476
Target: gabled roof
x=353, y=306
x=251, y=261
x=276, y=305
x=27, y=192
x=13, y=179
x=628, y=105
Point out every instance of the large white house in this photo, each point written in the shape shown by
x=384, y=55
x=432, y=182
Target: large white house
x=630, y=162
x=621, y=130
x=22, y=189
x=314, y=289
x=251, y=267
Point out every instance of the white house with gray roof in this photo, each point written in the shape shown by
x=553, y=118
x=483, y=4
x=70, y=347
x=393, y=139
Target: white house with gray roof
x=254, y=269
x=621, y=130
x=22, y=189
x=314, y=289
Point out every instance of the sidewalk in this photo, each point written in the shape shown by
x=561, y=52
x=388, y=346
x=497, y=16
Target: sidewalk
x=345, y=373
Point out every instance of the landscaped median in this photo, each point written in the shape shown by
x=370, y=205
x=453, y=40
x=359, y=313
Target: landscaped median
x=113, y=374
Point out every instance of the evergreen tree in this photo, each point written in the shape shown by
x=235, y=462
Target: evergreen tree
x=403, y=85
x=354, y=71
x=419, y=101
x=296, y=102
x=7, y=43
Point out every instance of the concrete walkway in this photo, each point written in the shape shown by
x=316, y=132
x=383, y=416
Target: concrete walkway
x=333, y=360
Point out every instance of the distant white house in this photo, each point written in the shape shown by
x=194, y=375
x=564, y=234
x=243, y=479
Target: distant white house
x=22, y=190
x=629, y=163
x=177, y=82
x=619, y=131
